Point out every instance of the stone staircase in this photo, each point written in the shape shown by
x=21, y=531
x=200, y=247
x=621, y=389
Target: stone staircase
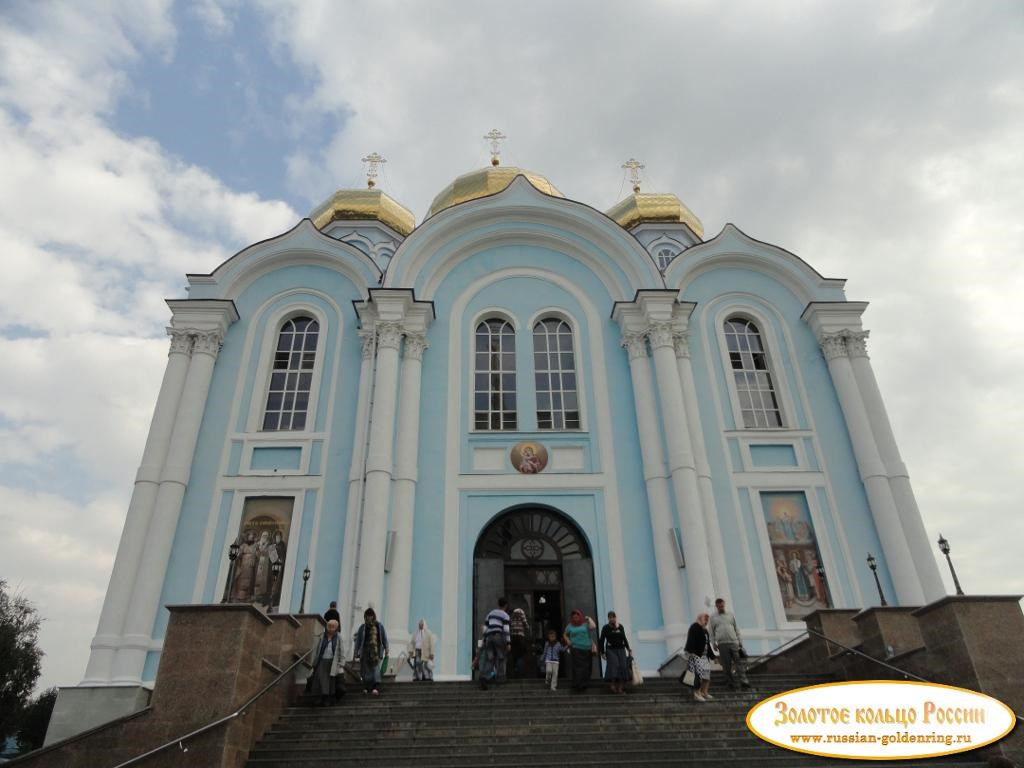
x=521, y=723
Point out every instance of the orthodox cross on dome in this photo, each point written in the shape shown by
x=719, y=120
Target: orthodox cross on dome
x=373, y=163
x=634, y=166
x=495, y=137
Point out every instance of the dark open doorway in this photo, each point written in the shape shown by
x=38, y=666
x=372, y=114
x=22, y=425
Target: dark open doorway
x=540, y=560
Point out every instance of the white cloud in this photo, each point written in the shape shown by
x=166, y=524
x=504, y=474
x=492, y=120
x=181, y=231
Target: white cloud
x=97, y=228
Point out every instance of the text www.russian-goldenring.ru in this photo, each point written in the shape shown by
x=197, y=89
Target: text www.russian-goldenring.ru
x=884, y=740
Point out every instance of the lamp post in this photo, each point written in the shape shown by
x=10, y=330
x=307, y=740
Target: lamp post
x=232, y=556
x=873, y=565
x=305, y=580
x=275, y=569
x=944, y=549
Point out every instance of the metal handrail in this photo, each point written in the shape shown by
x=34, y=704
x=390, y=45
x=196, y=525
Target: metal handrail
x=769, y=655
x=863, y=655
x=180, y=740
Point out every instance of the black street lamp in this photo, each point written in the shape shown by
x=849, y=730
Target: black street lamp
x=275, y=569
x=232, y=556
x=944, y=549
x=873, y=565
x=305, y=580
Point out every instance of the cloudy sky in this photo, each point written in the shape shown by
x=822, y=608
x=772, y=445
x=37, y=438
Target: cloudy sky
x=882, y=142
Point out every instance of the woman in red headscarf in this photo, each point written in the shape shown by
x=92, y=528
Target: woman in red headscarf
x=581, y=647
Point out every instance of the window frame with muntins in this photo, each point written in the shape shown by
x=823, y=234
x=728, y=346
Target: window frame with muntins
x=556, y=376
x=495, y=396
x=753, y=381
x=289, y=390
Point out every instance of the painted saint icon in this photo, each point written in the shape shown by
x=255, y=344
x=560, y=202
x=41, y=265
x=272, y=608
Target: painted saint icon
x=529, y=458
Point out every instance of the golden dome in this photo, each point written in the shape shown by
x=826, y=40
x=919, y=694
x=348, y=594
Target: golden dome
x=363, y=204
x=641, y=207
x=484, y=182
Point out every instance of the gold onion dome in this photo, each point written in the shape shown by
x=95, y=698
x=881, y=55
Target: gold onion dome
x=362, y=205
x=642, y=207
x=484, y=182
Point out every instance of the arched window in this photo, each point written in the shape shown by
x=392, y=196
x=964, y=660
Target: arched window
x=554, y=364
x=753, y=378
x=665, y=256
x=292, y=375
x=494, y=383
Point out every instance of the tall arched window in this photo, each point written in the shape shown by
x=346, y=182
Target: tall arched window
x=494, y=383
x=755, y=390
x=554, y=364
x=292, y=375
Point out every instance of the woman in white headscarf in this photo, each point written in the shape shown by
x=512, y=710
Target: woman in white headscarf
x=421, y=651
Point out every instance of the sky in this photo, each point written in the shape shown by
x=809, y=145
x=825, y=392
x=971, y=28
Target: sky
x=882, y=142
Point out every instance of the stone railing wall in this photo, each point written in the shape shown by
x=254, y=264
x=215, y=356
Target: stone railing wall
x=215, y=658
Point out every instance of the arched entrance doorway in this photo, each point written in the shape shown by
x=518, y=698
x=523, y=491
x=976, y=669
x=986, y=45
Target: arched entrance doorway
x=540, y=560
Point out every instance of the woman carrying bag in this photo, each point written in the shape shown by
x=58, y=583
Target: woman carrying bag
x=698, y=668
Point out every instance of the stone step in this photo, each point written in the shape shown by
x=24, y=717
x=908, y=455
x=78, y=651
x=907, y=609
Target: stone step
x=488, y=735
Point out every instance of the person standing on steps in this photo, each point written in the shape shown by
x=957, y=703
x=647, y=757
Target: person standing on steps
x=726, y=636
x=332, y=613
x=371, y=649
x=581, y=648
x=519, y=628
x=326, y=657
x=497, y=642
x=421, y=651
x=614, y=646
x=552, y=655
x=698, y=648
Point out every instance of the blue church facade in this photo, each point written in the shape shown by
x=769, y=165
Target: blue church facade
x=519, y=395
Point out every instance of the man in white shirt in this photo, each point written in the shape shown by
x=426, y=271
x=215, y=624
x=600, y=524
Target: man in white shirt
x=726, y=635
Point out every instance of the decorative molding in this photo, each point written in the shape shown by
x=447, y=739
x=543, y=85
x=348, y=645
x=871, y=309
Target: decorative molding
x=833, y=345
x=682, y=342
x=415, y=345
x=181, y=342
x=857, y=343
x=389, y=335
x=368, y=340
x=208, y=342
x=661, y=335
x=636, y=344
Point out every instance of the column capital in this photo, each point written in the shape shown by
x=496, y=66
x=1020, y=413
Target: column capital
x=661, y=334
x=368, y=339
x=857, y=343
x=681, y=339
x=389, y=335
x=833, y=345
x=636, y=344
x=207, y=342
x=415, y=345
x=181, y=341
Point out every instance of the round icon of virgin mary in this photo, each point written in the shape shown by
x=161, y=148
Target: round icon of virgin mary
x=529, y=458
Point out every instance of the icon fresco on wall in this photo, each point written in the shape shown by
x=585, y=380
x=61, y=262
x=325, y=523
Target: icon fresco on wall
x=795, y=554
x=529, y=458
x=262, y=542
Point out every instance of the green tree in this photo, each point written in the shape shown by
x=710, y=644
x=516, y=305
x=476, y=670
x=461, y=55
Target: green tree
x=20, y=657
x=34, y=720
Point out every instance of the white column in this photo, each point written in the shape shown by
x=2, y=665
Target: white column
x=400, y=578
x=669, y=574
x=682, y=468
x=372, y=543
x=145, y=602
x=716, y=547
x=876, y=484
x=895, y=469
x=140, y=510
x=356, y=486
